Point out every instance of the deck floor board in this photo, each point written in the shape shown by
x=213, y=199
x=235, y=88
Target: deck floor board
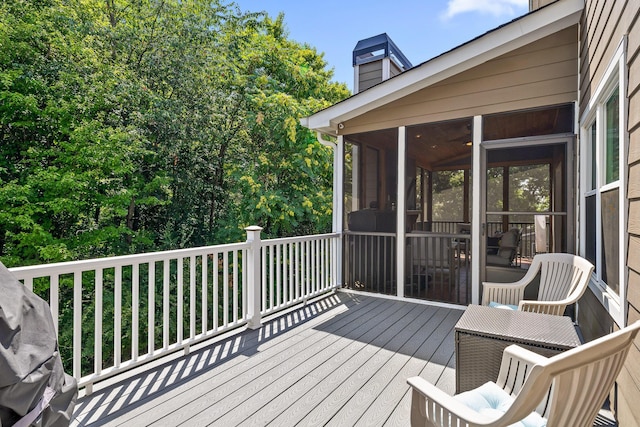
x=327, y=376
x=340, y=360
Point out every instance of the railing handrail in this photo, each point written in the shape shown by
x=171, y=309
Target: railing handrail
x=370, y=233
x=284, y=240
x=121, y=260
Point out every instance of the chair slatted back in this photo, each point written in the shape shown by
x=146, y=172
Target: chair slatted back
x=584, y=376
x=580, y=379
x=561, y=274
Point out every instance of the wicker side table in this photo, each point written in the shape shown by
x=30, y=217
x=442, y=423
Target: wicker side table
x=482, y=333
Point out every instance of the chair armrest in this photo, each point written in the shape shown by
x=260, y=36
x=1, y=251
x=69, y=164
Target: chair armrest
x=432, y=406
x=503, y=293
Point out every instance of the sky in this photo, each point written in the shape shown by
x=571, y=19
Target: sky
x=422, y=29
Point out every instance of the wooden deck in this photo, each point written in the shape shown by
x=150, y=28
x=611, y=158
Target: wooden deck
x=341, y=360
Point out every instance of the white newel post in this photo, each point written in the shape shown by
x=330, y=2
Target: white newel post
x=254, y=320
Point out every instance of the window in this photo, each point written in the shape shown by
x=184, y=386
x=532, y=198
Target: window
x=603, y=187
x=612, y=131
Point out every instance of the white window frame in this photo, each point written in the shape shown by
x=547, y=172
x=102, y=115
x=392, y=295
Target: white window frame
x=615, y=76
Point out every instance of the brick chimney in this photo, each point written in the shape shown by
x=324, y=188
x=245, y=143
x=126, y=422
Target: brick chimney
x=376, y=59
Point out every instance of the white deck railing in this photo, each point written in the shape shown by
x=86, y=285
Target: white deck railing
x=183, y=296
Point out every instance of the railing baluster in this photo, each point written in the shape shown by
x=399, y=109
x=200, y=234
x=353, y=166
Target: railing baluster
x=216, y=292
x=314, y=267
x=192, y=297
x=298, y=270
x=180, y=297
x=324, y=263
x=166, y=264
x=204, y=314
x=225, y=287
x=270, y=266
x=310, y=273
x=303, y=269
x=328, y=268
x=263, y=255
x=77, y=324
x=135, y=310
x=97, y=340
x=151, y=332
x=235, y=286
x=117, y=320
x=279, y=264
x=291, y=276
x=285, y=276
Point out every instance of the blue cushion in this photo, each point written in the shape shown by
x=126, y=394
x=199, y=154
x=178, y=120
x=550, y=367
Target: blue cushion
x=505, y=306
x=492, y=401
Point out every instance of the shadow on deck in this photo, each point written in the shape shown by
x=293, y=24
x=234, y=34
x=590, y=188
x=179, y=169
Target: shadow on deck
x=339, y=360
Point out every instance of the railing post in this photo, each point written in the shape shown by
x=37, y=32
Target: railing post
x=254, y=285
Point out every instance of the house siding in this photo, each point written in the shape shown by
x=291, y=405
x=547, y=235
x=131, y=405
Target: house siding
x=603, y=26
x=541, y=73
x=369, y=75
x=394, y=70
x=593, y=320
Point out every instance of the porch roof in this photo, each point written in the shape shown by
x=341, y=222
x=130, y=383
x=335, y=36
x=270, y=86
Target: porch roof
x=516, y=34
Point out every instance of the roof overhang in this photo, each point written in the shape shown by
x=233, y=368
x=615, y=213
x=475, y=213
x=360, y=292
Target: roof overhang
x=520, y=32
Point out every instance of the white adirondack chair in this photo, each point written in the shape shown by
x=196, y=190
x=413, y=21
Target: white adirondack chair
x=563, y=280
x=564, y=390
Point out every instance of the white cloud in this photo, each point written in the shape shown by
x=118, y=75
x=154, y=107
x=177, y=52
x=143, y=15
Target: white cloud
x=491, y=7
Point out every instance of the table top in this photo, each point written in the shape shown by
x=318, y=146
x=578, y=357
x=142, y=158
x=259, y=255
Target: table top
x=523, y=326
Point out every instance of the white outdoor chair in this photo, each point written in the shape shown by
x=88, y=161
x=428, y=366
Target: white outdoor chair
x=531, y=390
x=563, y=280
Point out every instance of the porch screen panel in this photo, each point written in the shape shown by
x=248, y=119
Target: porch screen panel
x=448, y=200
x=371, y=179
x=370, y=174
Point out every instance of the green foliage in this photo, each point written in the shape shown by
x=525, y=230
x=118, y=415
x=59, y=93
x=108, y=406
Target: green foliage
x=131, y=126
x=448, y=195
x=529, y=188
x=134, y=126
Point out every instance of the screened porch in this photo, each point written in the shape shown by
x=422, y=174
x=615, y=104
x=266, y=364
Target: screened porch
x=421, y=233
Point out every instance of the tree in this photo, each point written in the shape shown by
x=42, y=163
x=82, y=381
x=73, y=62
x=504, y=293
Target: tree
x=128, y=126
x=285, y=179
